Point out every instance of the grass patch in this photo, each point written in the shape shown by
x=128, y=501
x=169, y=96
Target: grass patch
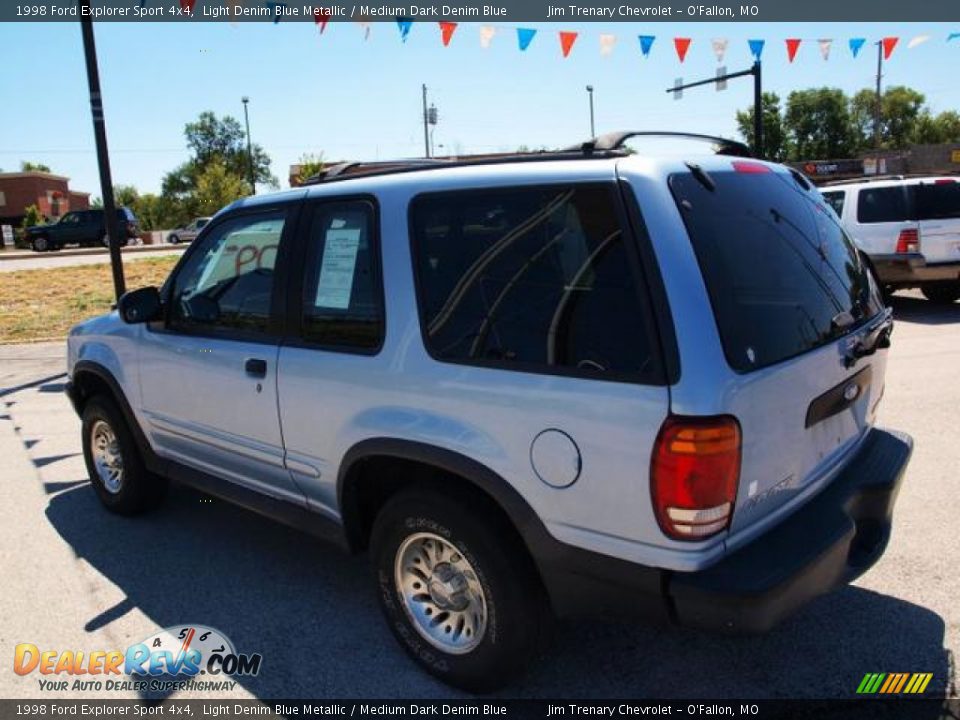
x=45, y=304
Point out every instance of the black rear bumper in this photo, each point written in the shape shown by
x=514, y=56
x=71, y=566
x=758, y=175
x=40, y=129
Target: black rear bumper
x=828, y=542
x=912, y=269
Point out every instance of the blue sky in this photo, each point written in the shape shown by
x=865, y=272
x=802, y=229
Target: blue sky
x=355, y=99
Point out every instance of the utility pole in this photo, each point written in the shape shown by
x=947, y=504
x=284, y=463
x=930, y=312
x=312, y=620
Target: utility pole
x=246, y=117
x=593, y=130
x=757, y=74
x=426, y=132
x=103, y=156
x=878, y=109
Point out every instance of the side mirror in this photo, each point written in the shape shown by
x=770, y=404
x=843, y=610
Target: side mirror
x=140, y=306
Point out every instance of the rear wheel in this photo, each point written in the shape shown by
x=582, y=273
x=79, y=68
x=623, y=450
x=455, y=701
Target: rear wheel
x=942, y=293
x=457, y=589
x=174, y=239
x=40, y=244
x=113, y=461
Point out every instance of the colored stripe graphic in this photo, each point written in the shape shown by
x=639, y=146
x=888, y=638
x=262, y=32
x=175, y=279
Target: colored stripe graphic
x=894, y=683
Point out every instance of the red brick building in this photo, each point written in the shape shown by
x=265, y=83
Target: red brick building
x=50, y=193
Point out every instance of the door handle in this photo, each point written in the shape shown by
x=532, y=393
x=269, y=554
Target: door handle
x=255, y=367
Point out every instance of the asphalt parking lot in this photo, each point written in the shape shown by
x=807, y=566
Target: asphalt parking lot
x=76, y=577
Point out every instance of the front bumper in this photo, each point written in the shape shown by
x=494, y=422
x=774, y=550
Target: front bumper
x=912, y=269
x=828, y=542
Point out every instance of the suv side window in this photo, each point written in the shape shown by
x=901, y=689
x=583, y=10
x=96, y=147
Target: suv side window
x=342, y=299
x=835, y=199
x=532, y=278
x=226, y=284
x=883, y=204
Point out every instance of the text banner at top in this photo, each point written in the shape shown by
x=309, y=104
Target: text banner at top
x=277, y=11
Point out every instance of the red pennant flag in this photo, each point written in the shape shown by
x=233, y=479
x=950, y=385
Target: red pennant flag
x=187, y=5
x=567, y=39
x=793, y=44
x=320, y=17
x=682, y=45
x=889, y=43
x=446, y=32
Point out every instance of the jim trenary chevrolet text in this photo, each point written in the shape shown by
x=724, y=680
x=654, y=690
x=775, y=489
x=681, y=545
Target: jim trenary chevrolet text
x=584, y=381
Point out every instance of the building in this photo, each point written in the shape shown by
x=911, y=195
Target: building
x=50, y=193
x=943, y=159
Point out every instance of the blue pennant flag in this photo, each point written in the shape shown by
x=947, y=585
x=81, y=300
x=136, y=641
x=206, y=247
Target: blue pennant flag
x=646, y=42
x=756, y=48
x=856, y=44
x=404, y=25
x=525, y=37
x=275, y=6
x=953, y=36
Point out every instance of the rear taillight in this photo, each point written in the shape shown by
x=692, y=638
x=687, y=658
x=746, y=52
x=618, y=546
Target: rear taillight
x=694, y=474
x=908, y=241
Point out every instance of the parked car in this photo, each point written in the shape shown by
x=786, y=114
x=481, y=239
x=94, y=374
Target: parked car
x=82, y=227
x=579, y=381
x=189, y=232
x=909, y=227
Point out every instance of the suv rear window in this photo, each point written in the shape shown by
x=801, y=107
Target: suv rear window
x=884, y=204
x=938, y=201
x=779, y=269
x=835, y=199
x=534, y=278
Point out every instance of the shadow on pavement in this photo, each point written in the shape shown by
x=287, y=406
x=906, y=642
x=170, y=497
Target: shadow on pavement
x=922, y=311
x=310, y=611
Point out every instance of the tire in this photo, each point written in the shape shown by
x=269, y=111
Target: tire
x=114, y=465
x=942, y=293
x=40, y=244
x=446, y=538
x=174, y=239
x=105, y=240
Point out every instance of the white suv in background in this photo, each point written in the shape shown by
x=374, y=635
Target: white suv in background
x=909, y=227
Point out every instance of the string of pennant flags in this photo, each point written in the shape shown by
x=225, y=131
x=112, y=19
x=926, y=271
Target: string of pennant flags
x=525, y=37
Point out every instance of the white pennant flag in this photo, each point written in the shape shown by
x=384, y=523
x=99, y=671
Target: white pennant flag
x=486, y=35
x=606, y=44
x=825, y=48
x=719, y=48
x=918, y=40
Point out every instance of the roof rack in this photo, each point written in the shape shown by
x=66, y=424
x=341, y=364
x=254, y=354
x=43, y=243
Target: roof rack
x=870, y=178
x=617, y=140
x=604, y=146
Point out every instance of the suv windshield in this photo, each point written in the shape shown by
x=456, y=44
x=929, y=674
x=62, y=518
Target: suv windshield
x=782, y=275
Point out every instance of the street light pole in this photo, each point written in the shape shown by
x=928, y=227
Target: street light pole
x=103, y=156
x=593, y=130
x=246, y=117
x=878, y=108
x=426, y=132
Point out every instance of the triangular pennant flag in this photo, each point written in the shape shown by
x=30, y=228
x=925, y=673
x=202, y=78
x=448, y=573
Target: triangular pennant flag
x=793, y=44
x=525, y=37
x=321, y=16
x=756, y=48
x=187, y=5
x=646, y=42
x=606, y=43
x=404, y=25
x=918, y=40
x=825, y=46
x=365, y=26
x=856, y=44
x=567, y=39
x=953, y=36
x=446, y=32
x=889, y=43
x=719, y=48
x=681, y=45
x=275, y=7
x=486, y=35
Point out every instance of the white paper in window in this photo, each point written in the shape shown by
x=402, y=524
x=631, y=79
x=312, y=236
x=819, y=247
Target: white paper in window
x=338, y=268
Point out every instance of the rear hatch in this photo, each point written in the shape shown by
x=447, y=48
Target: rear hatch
x=791, y=299
x=938, y=210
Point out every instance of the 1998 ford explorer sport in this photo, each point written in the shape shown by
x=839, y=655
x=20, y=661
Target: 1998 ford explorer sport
x=536, y=385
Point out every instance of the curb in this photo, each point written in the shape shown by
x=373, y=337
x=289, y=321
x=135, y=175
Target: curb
x=30, y=254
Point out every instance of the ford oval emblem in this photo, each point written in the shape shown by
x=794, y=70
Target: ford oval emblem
x=850, y=392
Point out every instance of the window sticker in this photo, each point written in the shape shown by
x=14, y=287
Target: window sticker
x=338, y=268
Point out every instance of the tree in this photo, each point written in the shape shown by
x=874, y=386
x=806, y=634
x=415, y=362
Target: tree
x=942, y=128
x=901, y=117
x=774, y=140
x=310, y=165
x=27, y=166
x=32, y=216
x=211, y=137
x=817, y=124
x=217, y=186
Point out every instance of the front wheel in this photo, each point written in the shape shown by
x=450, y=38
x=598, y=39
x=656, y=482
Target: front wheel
x=40, y=244
x=113, y=461
x=942, y=293
x=457, y=588
x=174, y=239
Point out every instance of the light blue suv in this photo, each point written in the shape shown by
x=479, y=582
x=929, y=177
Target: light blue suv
x=590, y=380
